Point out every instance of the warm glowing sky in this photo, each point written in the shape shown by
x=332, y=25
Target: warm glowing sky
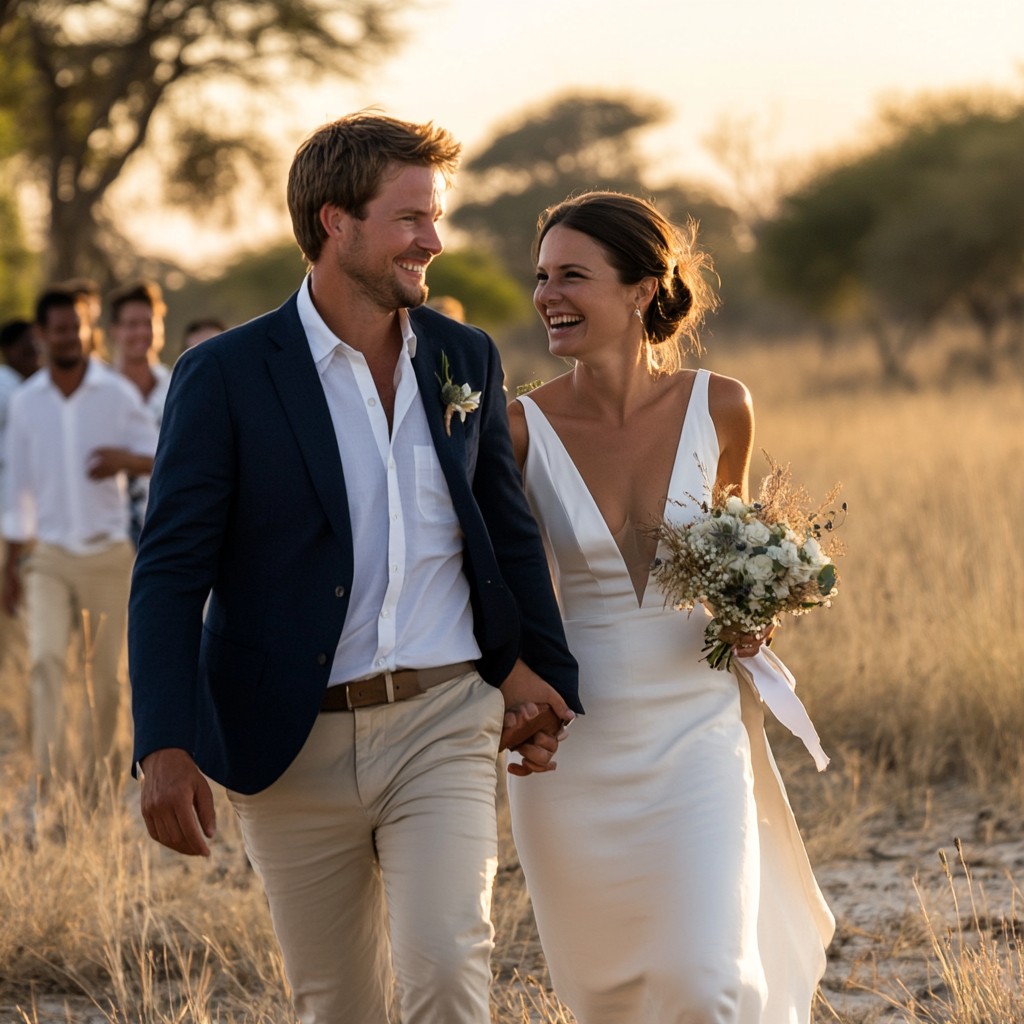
x=817, y=68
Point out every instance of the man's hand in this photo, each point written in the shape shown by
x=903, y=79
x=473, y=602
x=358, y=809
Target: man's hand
x=523, y=691
x=107, y=462
x=176, y=801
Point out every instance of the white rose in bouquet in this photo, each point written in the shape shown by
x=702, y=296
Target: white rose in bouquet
x=789, y=554
x=760, y=568
x=813, y=550
x=735, y=506
x=756, y=532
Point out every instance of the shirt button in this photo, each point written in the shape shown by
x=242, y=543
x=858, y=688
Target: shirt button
x=321, y=659
x=339, y=591
x=371, y=402
x=394, y=515
x=394, y=568
x=385, y=615
x=381, y=662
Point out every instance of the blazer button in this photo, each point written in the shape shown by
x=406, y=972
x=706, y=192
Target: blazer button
x=321, y=659
x=339, y=591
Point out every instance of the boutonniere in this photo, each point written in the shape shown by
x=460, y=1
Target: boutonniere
x=455, y=397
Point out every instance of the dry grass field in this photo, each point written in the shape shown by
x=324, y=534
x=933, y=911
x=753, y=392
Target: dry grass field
x=914, y=680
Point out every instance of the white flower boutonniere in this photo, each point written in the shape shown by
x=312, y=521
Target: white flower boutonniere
x=455, y=397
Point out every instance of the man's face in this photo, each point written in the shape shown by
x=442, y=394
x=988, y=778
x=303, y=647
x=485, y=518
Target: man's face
x=60, y=337
x=137, y=330
x=388, y=251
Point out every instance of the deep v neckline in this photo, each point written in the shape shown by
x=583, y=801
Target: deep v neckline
x=608, y=535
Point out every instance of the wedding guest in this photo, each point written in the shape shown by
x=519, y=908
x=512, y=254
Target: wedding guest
x=202, y=330
x=74, y=431
x=21, y=360
x=137, y=331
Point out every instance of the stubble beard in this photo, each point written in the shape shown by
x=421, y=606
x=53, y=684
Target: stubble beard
x=68, y=363
x=379, y=284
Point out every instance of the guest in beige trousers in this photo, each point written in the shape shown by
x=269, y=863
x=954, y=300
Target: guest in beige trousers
x=74, y=430
x=380, y=607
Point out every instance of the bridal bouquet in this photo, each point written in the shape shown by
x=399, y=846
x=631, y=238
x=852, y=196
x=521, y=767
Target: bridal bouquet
x=750, y=563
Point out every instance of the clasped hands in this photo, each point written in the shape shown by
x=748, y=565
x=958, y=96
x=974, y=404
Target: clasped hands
x=523, y=690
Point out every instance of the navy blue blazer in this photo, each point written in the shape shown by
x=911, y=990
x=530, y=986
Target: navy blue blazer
x=248, y=500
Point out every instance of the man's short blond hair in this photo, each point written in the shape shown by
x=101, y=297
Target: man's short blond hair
x=345, y=163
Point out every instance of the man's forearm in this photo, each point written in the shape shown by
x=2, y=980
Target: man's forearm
x=138, y=465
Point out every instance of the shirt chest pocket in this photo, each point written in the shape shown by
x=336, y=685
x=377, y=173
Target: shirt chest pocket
x=432, y=497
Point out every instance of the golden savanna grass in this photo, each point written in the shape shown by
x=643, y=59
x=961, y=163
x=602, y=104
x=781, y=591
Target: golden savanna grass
x=912, y=679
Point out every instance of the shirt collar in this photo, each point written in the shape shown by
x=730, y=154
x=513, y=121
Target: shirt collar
x=323, y=342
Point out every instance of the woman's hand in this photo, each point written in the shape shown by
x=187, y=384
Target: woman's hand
x=748, y=645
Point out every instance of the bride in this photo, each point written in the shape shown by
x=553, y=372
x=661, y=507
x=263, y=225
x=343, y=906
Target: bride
x=668, y=876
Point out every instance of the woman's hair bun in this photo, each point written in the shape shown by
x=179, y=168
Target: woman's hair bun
x=671, y=305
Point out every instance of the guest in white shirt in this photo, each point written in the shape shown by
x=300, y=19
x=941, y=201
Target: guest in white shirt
x=137, y=331
x=21, y=360
x=74, y=431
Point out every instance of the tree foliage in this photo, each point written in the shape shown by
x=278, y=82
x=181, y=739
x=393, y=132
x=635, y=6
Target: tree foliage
x=476, y=277
x=83, y=82
x=928, y=225
x=574, y=144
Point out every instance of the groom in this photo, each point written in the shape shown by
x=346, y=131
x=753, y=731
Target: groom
x=380, y=597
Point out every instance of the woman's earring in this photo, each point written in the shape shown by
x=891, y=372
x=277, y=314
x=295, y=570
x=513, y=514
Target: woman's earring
x=639, y=315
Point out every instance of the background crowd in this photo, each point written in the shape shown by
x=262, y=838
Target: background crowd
x=81, y=401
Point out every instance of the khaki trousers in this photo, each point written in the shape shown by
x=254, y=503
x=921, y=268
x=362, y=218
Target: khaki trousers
x=394, y=805
x=59, y=586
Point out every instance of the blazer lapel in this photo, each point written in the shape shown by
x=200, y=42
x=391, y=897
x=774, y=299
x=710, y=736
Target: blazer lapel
x=302, y=395
x=451, y=450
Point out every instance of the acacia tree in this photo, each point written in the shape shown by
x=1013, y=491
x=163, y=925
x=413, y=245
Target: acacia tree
x=83, y=82
x=572, y=144
x=930, y=224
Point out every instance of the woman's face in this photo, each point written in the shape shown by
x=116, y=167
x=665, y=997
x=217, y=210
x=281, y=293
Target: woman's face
x=579, y=296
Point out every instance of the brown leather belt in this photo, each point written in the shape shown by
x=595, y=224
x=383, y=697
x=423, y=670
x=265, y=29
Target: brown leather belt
x=388, y=687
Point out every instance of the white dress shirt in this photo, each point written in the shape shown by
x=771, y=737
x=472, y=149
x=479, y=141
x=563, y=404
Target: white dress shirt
x=158, y=396
x=138, y=486
x=409, y=605
x=9, y=380
x=50, y=441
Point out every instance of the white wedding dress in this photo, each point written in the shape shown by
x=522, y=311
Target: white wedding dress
x=668, y=877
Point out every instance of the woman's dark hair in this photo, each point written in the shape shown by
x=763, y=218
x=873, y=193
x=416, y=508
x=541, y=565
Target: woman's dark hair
x=639, y=242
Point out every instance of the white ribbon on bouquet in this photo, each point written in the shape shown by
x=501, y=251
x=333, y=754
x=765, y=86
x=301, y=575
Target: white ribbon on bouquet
x=775, y=685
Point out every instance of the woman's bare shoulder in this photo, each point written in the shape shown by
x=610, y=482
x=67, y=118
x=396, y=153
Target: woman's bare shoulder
x=544, y=396
x=729, y=399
